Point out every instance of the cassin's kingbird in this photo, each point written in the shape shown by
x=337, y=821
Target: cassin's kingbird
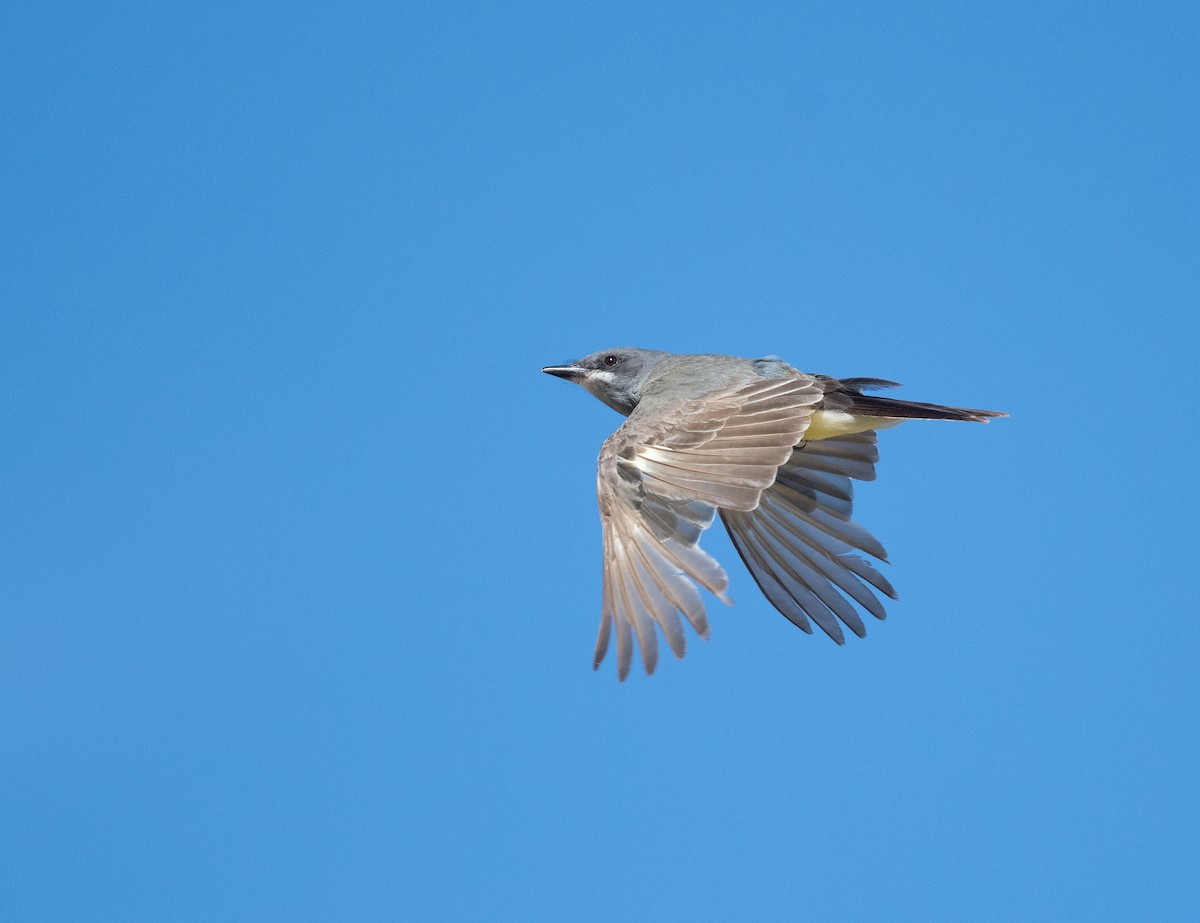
x=768, y=447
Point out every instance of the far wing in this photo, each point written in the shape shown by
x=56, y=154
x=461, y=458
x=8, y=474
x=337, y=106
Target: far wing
x=801, y=544
x=661, y=477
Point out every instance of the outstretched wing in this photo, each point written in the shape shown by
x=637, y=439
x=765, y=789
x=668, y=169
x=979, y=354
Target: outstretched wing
x=659, y=486
x=801, y=544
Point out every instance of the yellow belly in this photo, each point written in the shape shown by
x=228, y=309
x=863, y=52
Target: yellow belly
x=826, y=423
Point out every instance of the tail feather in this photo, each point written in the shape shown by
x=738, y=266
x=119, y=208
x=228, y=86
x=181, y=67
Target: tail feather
x=875, y=406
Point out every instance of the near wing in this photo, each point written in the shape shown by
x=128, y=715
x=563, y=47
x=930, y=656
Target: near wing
x=661, y=478
x=801, y=545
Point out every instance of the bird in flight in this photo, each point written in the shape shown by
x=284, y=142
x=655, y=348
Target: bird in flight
x=772, y=451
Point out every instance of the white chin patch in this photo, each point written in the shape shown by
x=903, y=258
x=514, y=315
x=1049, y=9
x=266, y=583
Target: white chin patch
x=598, y=380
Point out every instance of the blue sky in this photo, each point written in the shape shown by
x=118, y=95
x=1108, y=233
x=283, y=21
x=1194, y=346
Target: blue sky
x=301, y=554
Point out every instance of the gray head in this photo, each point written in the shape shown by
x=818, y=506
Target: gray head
x=616, y=376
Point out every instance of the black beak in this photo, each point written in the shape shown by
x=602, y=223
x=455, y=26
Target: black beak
x=569, y=372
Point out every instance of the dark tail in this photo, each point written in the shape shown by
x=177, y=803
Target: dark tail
x=848, y=396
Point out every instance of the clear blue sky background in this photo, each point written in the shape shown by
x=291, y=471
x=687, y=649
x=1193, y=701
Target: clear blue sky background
x=300, y=555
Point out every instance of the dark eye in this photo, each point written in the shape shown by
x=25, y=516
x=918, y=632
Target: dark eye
x=609, y=361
